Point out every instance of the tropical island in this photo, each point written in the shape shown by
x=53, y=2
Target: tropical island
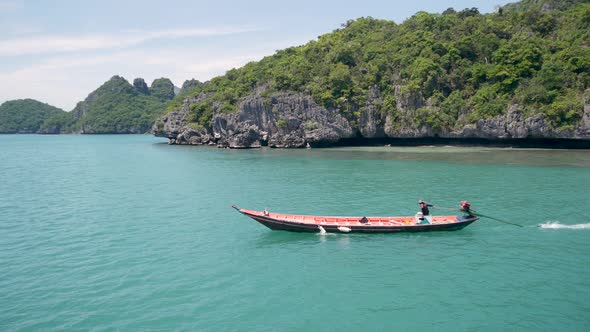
x=26, y=116
x=518, y=76
x=521, y=73
x=116, y=107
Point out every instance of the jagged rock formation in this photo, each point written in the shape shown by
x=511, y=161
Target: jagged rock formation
x=175, y=125
x=583, y=129
x=287, y=120
x=283, y=120
x=189, y=84
x=141, y=87
x=163, y=89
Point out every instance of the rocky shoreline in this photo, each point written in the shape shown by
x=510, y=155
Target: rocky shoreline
x=291, y=120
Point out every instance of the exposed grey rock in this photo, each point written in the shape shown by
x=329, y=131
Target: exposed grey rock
x=511, y=125
x=401, y=122
x=162, y=88
x=583, y=130
x=282, y=120
x=189, y=84
x=278, y=121
x=141, y=86
x=546, y=7
x=371, y=123
x=177, y=122
x=290, y=120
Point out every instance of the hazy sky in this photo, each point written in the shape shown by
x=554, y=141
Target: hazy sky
x=59, y=51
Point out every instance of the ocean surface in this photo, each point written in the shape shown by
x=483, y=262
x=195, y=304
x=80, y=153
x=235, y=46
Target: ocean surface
x=103, y=233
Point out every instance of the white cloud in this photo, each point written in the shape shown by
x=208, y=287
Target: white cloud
x=63, y=81
x=8, y=5
x=60, y=44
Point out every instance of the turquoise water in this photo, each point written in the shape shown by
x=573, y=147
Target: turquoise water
x=126, y=233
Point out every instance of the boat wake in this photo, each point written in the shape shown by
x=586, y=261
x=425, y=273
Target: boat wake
x=557, y=225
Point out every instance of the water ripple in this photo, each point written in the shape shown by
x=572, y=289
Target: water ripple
x=118, y=233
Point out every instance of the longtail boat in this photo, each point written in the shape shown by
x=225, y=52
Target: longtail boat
x=326, y=224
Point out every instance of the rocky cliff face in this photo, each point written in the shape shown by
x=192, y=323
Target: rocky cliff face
x=287, y=120
x=515, y=125
x=162, y=88
x=141, y=87
x=583, y=130
x=189, y=84
x=175, y=125
x=283, y=120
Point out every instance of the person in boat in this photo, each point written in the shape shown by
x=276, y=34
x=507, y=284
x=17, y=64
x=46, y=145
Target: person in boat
x=464, y=206
x=424, y=207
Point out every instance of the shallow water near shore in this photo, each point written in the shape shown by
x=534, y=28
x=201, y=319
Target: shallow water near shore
x=125, y=232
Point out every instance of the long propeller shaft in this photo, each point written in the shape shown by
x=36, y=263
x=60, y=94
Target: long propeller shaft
x=479, y=215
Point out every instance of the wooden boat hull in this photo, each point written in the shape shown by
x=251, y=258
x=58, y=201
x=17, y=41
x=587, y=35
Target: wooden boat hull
x=315, y=224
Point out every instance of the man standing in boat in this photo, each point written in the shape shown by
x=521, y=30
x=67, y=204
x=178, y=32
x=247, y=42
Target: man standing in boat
x=424, y=207
x=422, y=216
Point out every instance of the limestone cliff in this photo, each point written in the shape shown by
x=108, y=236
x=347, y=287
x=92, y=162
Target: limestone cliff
x=282, y=120
x=289, y=120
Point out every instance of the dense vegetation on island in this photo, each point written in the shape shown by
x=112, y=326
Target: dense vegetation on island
x=25, y=116
x=462, y=65
x=115, y=107
x=467, y=65
x=119, y=107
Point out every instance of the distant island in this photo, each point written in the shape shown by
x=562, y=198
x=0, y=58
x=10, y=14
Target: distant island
x=517, y=75
x=25, y=116
x=116, y=107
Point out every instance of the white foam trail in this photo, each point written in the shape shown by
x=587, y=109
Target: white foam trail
x=557, y=225
x=322, y=230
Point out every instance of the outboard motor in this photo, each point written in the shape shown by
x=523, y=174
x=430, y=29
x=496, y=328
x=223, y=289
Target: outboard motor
x=465, y=206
